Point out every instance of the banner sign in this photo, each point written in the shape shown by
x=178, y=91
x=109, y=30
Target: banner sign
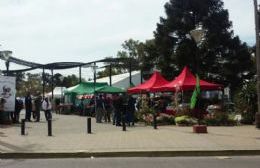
x=7, y=92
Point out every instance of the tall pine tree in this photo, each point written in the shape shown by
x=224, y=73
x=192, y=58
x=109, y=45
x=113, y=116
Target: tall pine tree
x=220, y=57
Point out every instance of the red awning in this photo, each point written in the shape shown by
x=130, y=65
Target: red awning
x=187, y=81
x=150, y=85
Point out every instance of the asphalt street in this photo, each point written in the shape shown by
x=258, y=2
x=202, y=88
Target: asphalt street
x=145, y=162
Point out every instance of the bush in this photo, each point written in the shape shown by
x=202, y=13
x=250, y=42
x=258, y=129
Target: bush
x=164, y=119
x=185, y=120
x=246, y=102
x=219, y=119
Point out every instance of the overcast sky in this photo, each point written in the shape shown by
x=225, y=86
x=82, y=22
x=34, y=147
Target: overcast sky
x=46, y=31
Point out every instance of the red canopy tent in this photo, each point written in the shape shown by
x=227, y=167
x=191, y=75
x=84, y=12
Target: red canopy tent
x=187, y=81
x=150, y=85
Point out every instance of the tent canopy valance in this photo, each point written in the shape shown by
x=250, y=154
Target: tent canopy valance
x=110, y=89
x=187, y=81
x=89, y=88
x=150, y=85
x=85, y=88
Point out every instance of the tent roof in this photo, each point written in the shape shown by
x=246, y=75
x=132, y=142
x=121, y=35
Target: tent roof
x=110, y=89
x=122, y=80
x=85, y=88
x=187, y=81
x=57, y=91
x=150, y=85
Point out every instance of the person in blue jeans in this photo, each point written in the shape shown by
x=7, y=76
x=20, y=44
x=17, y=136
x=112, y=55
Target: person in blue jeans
x=46, y=107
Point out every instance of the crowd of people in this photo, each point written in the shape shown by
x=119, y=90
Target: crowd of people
x=113, y=109
x=30, y=112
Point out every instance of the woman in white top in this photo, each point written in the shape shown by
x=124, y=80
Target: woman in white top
x=46, y=107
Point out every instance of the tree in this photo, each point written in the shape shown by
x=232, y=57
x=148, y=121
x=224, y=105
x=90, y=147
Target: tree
x=70, y=80
x=31, y=83
x=130, y=50
x=219, y=57
x=19, y=83
x=246, y=101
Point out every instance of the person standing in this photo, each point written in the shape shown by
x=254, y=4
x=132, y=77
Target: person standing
x=100, y=109
x=108, y=108
x=28, y=107
x=18, y=108
x=37, y=103
x=130, y=110
x=46, y=107
x=118, y=106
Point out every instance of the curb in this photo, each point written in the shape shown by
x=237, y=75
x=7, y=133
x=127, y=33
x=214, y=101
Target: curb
x=129, y=154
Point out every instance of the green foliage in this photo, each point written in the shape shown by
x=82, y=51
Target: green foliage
x=70, y=80
x=219, y=119
x=185, y=120
x=165, y=120
x=145, y=112
x=29, y=82
x=246, y=102
x=106, y=72
x=143, y=55
x=220, y=56
x=145, y=109
x=33, y=82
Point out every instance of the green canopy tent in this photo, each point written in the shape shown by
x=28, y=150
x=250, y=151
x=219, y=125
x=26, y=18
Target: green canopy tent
x=110, y=89
x=85, y=88
x=82, y=89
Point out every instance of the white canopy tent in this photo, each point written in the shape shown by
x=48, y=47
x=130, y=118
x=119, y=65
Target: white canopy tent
x=58, y=92
x=122, y=80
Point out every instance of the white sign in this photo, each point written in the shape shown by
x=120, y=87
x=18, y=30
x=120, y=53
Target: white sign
x=7, y=92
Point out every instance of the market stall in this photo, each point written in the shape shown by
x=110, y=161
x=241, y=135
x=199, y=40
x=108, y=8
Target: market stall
x=150, y=85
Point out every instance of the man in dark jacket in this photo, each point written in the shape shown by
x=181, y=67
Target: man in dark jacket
x=38, y=104
x=28, y=107
x=130, y=113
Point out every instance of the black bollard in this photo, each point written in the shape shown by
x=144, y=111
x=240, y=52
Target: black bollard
x=89, y=125
x=154, y=121
x=123, y=118
x=49, y=128
x=124, y=126
x=23, y=127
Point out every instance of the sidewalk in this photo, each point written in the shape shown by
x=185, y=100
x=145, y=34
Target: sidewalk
x=70, y=138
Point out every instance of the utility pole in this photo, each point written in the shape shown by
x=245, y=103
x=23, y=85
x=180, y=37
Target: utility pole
x=257, y=116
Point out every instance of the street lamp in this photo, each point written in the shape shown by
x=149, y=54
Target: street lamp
x=198, y=35
x=257, y=11
x=61, y=78
x=6, y=55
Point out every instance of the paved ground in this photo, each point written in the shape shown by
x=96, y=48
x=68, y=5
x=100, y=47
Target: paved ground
x=69, y=135
x=139, y=162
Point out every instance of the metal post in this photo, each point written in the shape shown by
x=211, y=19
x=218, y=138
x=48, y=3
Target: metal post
x=7, y=63
x=141, y=76
x=52, y=82
x=154, y=121
x=130, y=72
x=89, y=125
x=110, y=75
x=79, y=74
x=94, y=68
x=23, y=127
x=257, y=117
x=123, y=117
x=43, y=82
x=49, y=127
